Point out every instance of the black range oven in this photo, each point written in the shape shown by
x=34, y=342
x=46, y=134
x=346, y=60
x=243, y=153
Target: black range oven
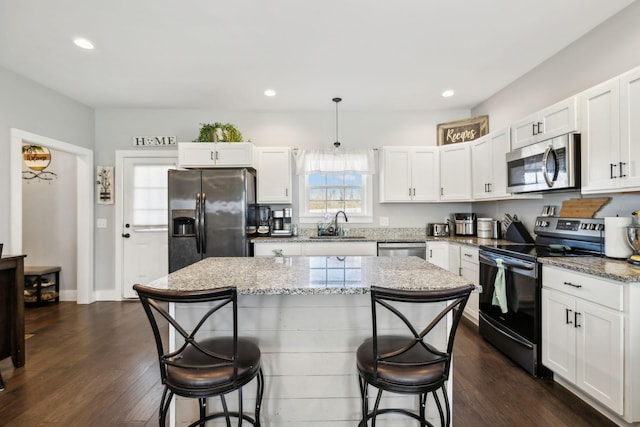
x=511, y=280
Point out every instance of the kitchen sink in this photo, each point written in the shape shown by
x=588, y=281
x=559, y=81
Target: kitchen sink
x=337, y=237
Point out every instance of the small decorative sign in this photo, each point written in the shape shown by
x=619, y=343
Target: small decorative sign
x=37, y=159
x=463, y=130
x=146, y=141
x=104, y=181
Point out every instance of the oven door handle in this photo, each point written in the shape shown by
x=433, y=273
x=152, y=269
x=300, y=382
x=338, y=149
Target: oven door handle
x=513, y=264
x=545, y=172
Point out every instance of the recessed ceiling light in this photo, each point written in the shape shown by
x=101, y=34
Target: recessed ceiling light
x=83, y=43
x=447, y=93
x=270, y=92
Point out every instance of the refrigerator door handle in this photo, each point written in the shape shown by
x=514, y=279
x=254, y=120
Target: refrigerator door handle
x=203, y=202
x=197, y=227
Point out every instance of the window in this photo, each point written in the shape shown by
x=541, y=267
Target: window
x=324, y=194
x=150, y=194
x=333, y=181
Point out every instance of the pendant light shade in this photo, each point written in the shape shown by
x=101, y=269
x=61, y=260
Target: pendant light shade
x=337, y=143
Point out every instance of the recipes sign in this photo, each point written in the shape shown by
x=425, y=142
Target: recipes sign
x=463, y=130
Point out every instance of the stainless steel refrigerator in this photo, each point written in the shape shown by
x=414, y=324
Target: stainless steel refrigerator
x=209, y=212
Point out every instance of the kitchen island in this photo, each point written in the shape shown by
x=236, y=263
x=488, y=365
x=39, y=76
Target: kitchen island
x=308, y=315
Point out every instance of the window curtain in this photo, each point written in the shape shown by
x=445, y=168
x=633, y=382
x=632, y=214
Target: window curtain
x=340, y=161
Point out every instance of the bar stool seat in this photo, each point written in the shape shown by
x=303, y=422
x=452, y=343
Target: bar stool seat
x=405, y=362
x=209, y=360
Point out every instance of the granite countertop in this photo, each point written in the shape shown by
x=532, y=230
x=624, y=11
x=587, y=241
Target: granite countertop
x=403, y=238
x=310, y=275
x=608, y=268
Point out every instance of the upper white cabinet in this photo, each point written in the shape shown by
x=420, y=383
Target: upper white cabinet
x=409, y=174
x=455, y=172
x=610, y=135
x=553, y=121
x=488, y=165
x=273, y=166
x=215, y=154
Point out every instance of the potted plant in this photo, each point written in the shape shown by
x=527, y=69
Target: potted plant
x=218, y=132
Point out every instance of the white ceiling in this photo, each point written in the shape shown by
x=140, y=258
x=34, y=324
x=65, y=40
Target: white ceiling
x=375, y=54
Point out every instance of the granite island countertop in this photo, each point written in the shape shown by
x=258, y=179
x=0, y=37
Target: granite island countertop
x=608, y=268
x=310, y=275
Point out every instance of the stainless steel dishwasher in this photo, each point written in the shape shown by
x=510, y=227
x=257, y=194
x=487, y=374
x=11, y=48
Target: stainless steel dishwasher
x=403, y=249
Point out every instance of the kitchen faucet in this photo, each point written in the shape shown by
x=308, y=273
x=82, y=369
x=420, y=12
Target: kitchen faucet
x=337, y=229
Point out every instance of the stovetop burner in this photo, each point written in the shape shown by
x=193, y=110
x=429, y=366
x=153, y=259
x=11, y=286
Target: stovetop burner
x=558, y=237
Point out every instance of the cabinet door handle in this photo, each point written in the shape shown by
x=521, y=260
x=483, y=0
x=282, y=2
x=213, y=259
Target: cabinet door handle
x=575, y=319
x=572, y=285
x=430, y=253
x=611, y=166
x=468, y=255
x=566, y=316
x=622, y=164
x=409, y=191
x=534, y=131
x=286, y=192
x=540, y=128
x=441, y=191
x=217, y=156
x=414, y=191
x=212, y=155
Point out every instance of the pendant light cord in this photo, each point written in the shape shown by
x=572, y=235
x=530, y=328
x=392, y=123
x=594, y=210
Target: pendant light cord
x=337, y=143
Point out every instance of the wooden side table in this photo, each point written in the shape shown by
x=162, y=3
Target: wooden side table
x=36, y=289
x=12, y=309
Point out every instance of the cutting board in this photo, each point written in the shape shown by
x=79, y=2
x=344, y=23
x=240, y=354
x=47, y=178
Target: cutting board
x=582, y=208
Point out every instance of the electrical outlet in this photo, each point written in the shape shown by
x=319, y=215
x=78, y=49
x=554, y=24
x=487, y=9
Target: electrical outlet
x=384, y=221
x=101, y=223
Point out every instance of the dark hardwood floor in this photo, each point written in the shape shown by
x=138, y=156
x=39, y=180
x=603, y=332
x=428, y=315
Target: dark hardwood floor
x=93, y=365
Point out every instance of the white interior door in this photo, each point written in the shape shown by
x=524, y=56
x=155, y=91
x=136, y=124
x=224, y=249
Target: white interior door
x=144, y=221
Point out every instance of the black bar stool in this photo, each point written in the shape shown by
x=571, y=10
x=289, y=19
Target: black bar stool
x=408, y=364
x=203, y=367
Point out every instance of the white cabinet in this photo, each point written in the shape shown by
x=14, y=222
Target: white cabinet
x=289, y=248
x=489, y=166
x=583, y=333
x=553, y=121
x=455, y=172
x=215, y=154
x=470, y=270
x=409, y=174
x=269, y=249
x=438, y=254
x=463, y=261
x=273, y=167
x=610, y=134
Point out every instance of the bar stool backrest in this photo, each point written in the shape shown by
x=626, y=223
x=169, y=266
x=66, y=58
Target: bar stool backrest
x=385, y=299
x=154, y=302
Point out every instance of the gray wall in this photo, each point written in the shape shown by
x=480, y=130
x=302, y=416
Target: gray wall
x=33, y=108
x=607, y=51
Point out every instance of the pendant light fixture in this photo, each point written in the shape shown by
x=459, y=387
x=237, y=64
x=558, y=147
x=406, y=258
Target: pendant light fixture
x=337, y=143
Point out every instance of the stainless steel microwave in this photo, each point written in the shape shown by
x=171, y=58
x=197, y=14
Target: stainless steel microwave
x=545, y=166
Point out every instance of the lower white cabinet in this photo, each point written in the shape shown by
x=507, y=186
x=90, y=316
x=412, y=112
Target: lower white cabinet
x=316, y=248
x=470, y=270
x=583, y=333
x=438, y=254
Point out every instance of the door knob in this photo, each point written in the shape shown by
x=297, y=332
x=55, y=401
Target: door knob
x=126, y=235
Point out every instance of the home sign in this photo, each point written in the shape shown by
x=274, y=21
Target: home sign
x=154, y=141
x=463, y=130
